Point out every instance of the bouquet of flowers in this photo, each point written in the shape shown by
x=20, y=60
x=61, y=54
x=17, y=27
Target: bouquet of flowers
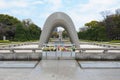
x=49, y=48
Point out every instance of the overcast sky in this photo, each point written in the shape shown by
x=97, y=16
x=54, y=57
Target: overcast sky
x=81, y=11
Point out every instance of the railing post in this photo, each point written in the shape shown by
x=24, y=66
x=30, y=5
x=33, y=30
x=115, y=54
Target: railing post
x=105, y=51
x=71, y=52
x=12, y=51
x=80, y=50
x=33, y=50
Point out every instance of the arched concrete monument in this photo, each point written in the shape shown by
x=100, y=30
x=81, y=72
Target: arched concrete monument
x=55, y=20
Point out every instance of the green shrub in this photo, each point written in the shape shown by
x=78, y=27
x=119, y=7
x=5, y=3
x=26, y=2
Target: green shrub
x=4, y=41
x=115, y=41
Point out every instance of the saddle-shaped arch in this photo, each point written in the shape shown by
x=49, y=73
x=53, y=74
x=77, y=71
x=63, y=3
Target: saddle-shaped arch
x=55, y=20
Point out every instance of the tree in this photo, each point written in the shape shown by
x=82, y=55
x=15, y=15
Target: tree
x=64, y=34
x=54, y=35
x=105, y=14
x=20, y=33
x=112, y=24
x=92, y=24
x=108, y=29
x=117, y=11
x=96, y=32
x=27, y=22
x=35, y=31
x=7, y=26
x=15, y=29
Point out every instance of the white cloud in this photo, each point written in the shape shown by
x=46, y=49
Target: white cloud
x=80, y=19
x=80, y=13
x=55, y=5
x=83, y=13
x=18, y=3
x=11, y=4
x=2, y=4
x=38, y=2
x=98, y=5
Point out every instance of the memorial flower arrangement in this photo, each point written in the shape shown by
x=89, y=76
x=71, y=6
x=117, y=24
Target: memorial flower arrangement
x=59, y=48
x=50, y=48
x=73, y=48
x=64, y=49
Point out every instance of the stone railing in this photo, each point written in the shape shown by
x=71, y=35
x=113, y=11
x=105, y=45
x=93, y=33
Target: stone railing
x=98, y=50
x=98, y=53
x=82, y=53
x=20, y=54
x=19, y=44
x=99, y=44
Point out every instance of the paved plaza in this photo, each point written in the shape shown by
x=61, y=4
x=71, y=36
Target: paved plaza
x=58, y=70
x=18, y=64
x=60, y=53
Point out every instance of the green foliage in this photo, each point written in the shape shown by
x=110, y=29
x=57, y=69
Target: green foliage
x=115, y=41
x=7, y=26
x=106, y=30
x=64, y=34
x=34, y=31
x=55, y=35
x=112, y=24
x=20, y=33
x=16, y=30
x=8, y=20
x=4, y=41
x=92, y=24
x=95, y=32
x=29, y=33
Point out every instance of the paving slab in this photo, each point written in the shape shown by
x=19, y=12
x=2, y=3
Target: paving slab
x=18, y=64
x=58, y=70
x=100, y=64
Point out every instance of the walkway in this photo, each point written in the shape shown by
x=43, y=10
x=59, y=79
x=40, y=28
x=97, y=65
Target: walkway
x=58, y=70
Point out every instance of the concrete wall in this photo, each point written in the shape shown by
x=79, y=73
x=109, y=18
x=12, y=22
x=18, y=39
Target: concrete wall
x=78, y=56
x=97, y=56
x=20, y=56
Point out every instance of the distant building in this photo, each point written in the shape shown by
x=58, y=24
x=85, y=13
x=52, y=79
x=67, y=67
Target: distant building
x=83, y=29
x=60, y=35
x=55, y=30
x=0, y=24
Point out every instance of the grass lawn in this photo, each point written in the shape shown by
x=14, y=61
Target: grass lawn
x=113, y=42
x=7, y=42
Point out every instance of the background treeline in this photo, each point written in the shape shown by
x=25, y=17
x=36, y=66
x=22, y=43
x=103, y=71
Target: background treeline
x=16, y=30
x=106, y=30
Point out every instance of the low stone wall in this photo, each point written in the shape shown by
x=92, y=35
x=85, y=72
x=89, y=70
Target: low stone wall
x=97, y=56
x=21, y=56
x=19, y=44
x=78, y=56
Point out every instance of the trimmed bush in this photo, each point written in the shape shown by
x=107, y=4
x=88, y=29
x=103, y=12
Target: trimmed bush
x=4, y=41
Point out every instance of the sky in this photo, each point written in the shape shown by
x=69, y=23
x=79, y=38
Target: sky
x=80, y=11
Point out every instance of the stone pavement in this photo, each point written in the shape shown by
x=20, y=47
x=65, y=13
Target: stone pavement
x=18, y=64
x=58, y=70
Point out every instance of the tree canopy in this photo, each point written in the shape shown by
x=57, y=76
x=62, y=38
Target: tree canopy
x=108, y=29
x=17, y=30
